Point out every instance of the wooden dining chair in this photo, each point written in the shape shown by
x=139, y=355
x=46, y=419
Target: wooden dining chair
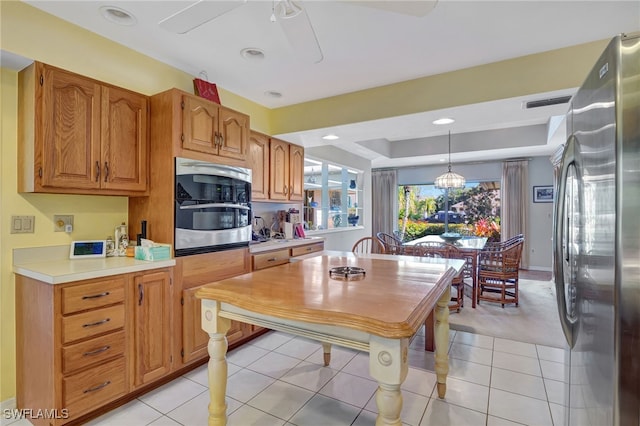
x=448, y=251
x=391, y=244
x=498, y=271
x=368, y=245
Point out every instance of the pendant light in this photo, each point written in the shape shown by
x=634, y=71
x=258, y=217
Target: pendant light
x=447, y=181
x=450, y=180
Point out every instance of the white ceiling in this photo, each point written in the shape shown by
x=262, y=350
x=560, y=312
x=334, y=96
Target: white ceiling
x=365, y=47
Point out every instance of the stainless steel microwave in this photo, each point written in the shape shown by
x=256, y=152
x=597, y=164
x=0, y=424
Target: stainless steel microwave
x=212, y=207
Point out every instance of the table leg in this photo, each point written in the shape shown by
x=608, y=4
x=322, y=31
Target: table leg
x=388, y=365
x=326, y=349
x=442, y=341
x=217, y=329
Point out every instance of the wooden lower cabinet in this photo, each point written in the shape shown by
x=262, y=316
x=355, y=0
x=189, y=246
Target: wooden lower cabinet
x=152, y=326
x=85, y=344
x=197, y=271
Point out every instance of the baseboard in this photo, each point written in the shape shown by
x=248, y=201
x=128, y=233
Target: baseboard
x=540, y=268
x=8, y=404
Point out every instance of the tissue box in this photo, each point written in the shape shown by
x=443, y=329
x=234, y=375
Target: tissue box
x=156, y=252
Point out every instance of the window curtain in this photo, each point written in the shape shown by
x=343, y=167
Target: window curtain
x=383, y=201
x=515, y=203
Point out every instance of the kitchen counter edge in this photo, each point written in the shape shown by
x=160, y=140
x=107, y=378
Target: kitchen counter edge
x=50, y=268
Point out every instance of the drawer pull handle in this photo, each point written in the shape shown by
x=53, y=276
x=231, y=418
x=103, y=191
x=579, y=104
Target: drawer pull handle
x=273, y=259
x=308, y=248
x=95, y=296
x=93, y=324
x=97, y=351
x=95, y=388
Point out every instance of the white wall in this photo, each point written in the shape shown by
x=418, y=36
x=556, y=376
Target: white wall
x=540, y=215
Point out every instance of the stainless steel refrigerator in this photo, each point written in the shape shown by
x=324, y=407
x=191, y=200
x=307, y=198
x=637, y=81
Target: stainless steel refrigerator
x=597, y=239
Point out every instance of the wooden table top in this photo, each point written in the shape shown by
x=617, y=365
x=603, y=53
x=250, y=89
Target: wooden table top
x=392, y=300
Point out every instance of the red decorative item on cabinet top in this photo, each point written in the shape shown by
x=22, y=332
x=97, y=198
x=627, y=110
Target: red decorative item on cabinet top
x=206, y=90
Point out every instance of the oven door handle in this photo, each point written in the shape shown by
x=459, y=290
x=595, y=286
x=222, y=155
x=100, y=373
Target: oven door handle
x=212, y=205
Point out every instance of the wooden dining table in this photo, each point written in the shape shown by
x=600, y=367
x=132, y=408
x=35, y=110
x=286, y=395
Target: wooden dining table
x=378, y=312
x=470, y=248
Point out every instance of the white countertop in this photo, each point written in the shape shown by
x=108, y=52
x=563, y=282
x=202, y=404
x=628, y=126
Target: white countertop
x=53, y=266
x=279, y=244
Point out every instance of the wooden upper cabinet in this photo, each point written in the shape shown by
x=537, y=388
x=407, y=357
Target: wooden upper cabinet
x=259, y=164
x=69, y=130
x=213, y=129
x=296, y=173
x=286, y=171
x=278, y=170
x=78, y=135
x=124, y=140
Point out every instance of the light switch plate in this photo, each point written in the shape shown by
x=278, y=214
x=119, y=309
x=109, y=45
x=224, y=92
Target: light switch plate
x=22, y=224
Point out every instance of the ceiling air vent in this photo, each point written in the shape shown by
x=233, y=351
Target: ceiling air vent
x=547, y=102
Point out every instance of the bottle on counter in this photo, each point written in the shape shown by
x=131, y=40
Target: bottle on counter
x=122, y=240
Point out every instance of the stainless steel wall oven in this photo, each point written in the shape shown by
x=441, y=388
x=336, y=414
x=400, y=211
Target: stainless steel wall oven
x=212, y=207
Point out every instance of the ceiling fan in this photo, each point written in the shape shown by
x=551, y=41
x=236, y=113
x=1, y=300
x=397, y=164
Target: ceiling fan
x=292, y=18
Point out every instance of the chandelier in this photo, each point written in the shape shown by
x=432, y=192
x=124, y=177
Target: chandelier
x=450, y=179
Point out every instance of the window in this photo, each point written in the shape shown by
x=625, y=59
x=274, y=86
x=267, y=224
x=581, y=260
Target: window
x=333, y=195
x=473, y=210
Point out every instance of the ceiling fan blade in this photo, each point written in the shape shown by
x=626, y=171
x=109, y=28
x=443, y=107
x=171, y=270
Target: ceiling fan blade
x=417, y=8
x=297, y=28
x=197, y=14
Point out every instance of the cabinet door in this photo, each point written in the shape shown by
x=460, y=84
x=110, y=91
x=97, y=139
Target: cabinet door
x=124, y=140
x=70, y=152
x=199, y=125
x=296, y=173
x=278, y=170
x=152, y=325
x=194, y=338
x=233, y=134
x=259, y=164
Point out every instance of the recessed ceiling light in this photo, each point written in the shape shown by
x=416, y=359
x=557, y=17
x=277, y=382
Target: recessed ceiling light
x=272, y=94
x=117, y=15
x=252, y=54
x=330, y=137
x=444, y=120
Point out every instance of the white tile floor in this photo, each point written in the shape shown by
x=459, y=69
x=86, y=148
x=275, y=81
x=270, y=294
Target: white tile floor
x=279, y=379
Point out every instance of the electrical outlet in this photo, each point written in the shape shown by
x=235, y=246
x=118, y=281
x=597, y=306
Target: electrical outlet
x=62, y=223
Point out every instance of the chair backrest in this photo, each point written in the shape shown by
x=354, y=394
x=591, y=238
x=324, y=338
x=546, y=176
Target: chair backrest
x=504, y=257
x=437, y=249
x=368, y=245
x=390, y=243
x=499, y=245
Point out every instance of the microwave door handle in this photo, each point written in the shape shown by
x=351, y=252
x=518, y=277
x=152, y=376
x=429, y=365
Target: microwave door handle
x=213, y=205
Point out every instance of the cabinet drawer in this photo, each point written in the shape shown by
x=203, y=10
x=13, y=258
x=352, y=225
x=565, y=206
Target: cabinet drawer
x=91, y=323
x=92, y=295
x=88, y=390
x=93, y=351
x=306, y=249
x=272, y=258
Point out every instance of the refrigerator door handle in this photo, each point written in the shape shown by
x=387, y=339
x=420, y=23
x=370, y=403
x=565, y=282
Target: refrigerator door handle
x=568, y=161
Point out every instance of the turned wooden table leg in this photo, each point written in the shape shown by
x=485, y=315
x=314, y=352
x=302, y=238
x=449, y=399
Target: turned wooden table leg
x=388, y=365
x=217, y=329
x=442, y=341
x=326, y=349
